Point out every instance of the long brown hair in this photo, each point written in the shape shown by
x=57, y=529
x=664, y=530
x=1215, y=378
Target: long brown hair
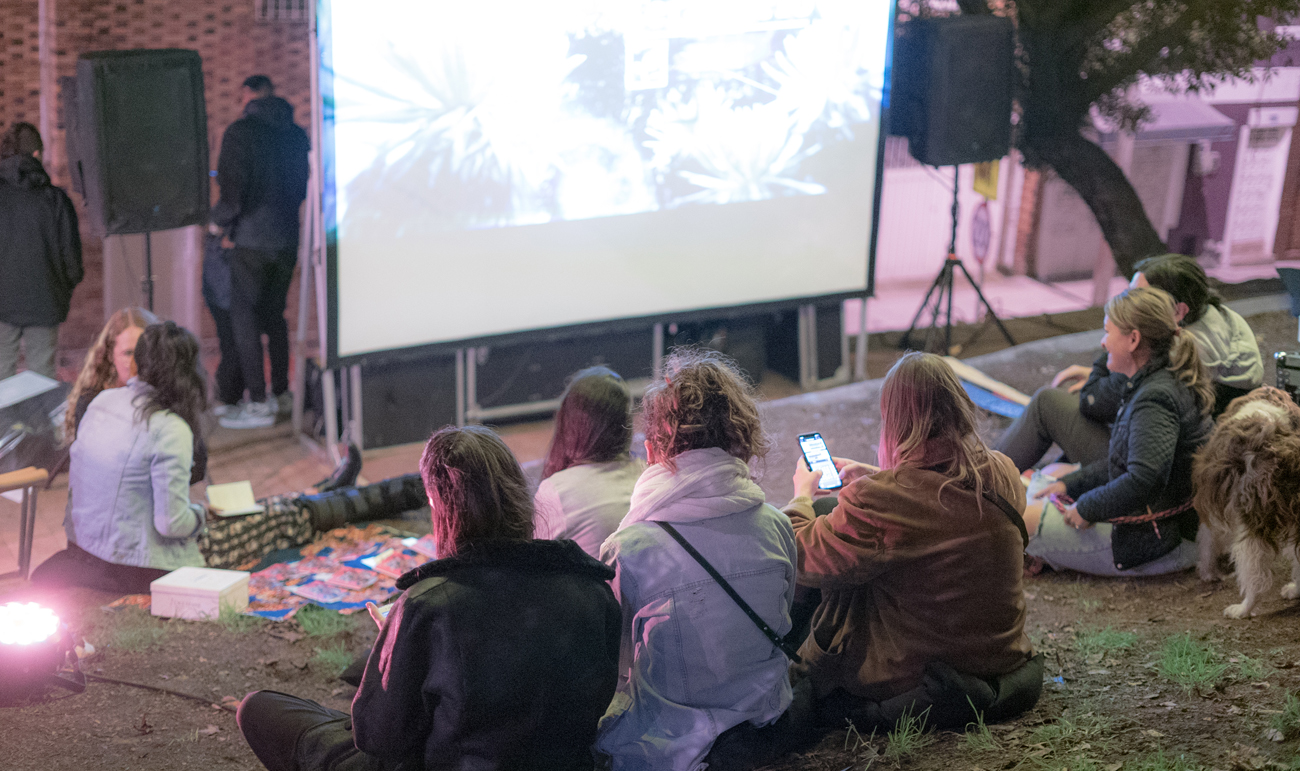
x=167, y=359
x=1151, y=312
x=929, y=422
x=476, y=489
x=594, y=422
x=702, y=401
x=97, y=372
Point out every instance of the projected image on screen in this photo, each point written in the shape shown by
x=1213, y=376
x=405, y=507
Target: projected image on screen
x=500, y=166
x=593, y=109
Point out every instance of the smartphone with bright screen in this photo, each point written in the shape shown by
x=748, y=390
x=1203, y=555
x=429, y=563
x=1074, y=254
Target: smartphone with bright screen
x=818, y=457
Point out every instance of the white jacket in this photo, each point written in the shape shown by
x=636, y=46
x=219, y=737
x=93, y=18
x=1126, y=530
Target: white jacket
x=692, y=663
x=1228, y=348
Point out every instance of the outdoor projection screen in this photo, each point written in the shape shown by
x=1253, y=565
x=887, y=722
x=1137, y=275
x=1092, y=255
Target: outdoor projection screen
x=499, y=166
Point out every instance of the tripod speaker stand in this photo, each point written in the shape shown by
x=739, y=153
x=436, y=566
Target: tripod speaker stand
x=941, y=293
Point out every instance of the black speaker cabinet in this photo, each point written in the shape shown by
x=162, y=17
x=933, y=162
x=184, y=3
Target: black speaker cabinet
x=140, y=150
x=952, y=86
x=405, y=401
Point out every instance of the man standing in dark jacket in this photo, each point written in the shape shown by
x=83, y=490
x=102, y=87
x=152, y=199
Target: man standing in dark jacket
x=262, y=173
x=40, y=254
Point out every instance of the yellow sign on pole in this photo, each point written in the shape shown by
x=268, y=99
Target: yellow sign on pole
x=986, y=179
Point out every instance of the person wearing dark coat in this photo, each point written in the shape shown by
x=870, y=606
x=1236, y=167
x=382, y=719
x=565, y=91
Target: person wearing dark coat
x=501, y=654
x=262, y=173
x=40, y=255
x=1130, y=513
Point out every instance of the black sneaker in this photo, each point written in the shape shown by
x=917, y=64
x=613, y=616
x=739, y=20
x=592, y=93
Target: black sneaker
x=345, y=474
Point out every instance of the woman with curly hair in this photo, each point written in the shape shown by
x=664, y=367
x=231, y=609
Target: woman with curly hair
x=590, y=472
x=693, y=664
x=110, y=362
x=129, y=517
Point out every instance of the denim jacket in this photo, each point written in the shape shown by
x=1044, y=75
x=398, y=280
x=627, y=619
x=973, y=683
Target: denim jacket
x=129, y=485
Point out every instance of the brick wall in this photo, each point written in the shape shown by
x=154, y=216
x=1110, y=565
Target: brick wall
x=233, y=46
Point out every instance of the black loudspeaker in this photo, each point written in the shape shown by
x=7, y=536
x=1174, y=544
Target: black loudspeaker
x=952, y=87
x=140, y=145
x=406, y=401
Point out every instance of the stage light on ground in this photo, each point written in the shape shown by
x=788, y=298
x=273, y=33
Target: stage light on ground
x=34, y=646
x=26, y=623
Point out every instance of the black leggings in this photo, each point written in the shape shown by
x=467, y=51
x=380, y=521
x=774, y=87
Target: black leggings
x=75, y=566
x=287, y=733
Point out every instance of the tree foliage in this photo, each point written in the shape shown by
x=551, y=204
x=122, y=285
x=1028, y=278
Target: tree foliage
x=1077, y=54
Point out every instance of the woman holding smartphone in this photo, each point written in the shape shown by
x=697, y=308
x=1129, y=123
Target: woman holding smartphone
x=920, y=562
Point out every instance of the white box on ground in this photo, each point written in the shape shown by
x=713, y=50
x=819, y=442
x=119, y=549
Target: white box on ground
x=198, y=593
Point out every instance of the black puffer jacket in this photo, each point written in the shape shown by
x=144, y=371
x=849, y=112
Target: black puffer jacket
x=40, y=246
x=1157, y=430
x=262, y=173
x=1100, y=397
x=502, y=657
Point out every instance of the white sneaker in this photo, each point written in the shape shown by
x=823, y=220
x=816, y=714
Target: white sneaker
x=221, y=409
x=252, y=415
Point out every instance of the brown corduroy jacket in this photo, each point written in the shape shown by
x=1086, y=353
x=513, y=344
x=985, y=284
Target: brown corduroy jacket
x=909, y=576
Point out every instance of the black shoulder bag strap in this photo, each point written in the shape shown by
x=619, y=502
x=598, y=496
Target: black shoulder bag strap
x=771, y=634
x=1010, y=511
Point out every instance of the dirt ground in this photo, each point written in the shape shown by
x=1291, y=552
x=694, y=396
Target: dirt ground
x=1143, y=675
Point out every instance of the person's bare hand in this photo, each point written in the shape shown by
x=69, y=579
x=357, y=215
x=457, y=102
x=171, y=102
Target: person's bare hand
x=1055, y=488
x=851, y=470
x=805, y=480
x=1072, y=518
x=1075, y=372
x=226, y=243
x=375, y=614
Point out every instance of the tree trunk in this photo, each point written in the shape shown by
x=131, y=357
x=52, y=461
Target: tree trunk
x=1099, y=181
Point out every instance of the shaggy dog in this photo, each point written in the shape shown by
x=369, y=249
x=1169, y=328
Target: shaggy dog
x=1247, y=479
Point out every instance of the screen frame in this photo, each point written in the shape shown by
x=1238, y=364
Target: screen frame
x=323, y=101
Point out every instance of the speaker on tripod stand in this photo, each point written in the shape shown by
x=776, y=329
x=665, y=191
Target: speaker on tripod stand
x=953, y=79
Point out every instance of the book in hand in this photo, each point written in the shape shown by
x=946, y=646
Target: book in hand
x=233, y=499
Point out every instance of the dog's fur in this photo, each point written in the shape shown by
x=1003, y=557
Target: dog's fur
x=1247, y=480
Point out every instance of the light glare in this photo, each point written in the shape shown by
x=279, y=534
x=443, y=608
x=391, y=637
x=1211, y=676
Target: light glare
x=24, y=624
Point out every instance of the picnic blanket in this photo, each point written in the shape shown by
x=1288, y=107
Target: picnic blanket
x=280, y=590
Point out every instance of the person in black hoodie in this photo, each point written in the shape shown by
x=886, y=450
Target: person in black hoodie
x=501, y=654
x=262, y=173
x=40, y=254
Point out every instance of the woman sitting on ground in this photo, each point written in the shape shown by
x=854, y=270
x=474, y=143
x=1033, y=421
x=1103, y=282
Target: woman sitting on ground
x=129, y=517
x=919, y=564
x=1079, y=424
x=1130, y=513
x=501, y=654
x=589, y=473
x=110, y=362
x=693, y=664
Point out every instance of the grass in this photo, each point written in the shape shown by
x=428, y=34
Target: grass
x=1250, y=669
x=1190, y=664
x=132, y=629
x=319, y=622
x=1159, y=762
x=234, y=621
x=1288, y=722
x=332, y=659
x=1091, y=641
x=978, y=737
x=1061, y=745
x=908, y=737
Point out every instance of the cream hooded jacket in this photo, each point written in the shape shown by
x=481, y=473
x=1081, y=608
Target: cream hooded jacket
x=692, y=663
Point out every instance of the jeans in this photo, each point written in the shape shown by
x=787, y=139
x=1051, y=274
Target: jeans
x=75, y=566
x=259, y=290
x=230, y=376
x=40, y=344
x=1052, y=416
x=1088, y=551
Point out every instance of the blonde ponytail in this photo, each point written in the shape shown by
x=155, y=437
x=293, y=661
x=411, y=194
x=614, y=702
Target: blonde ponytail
x=1185, y=363
x=1151, y=312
